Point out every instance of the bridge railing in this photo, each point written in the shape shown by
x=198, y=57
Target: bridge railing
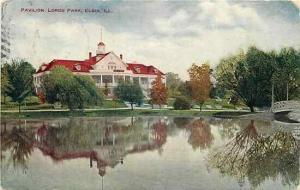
x=285, y=106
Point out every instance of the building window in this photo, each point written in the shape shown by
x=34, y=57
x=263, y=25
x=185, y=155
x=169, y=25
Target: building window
x=97, y=78
x=118, y=78
x=144, y=80
x=112, y=67
x=107, y=79
x=127, y=78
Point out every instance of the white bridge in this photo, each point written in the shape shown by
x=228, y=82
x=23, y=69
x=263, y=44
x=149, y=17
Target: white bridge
x=285, y=106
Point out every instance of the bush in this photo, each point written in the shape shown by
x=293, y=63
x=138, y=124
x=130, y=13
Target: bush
x=181, y=103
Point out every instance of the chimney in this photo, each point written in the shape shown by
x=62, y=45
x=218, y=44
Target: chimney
x=121, y=56
x=90, y=55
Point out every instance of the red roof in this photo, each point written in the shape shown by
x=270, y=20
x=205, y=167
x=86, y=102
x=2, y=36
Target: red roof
x=86, y=66
x=72, y=65
x=138, y=68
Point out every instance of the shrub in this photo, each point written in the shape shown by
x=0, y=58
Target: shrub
x=181, y=103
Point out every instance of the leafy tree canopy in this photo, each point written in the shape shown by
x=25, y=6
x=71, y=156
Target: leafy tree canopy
x=249, y=75
x=129, y=92
x=20, y=80
x=158, y=92
x=74, y=91
x=200, y=83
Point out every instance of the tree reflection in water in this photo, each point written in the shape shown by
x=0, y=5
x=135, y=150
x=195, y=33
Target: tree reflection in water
x=198, y=131
x=200, y=134
x=257, y=158
x=18, y=143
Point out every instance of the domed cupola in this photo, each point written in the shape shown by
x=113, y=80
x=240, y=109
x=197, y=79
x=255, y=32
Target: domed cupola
x=101, y=46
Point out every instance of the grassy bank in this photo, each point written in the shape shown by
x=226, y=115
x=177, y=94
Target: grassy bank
x=120, y=113
x=38, y=106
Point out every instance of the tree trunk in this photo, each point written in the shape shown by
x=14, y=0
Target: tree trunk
x=200, y=107
x=251, y=108
x=19, y=108
x=91, y=162
x=131, y=104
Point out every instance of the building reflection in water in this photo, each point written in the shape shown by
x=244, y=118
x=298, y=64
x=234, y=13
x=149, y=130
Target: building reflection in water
x=105, y=142
x=251, y=154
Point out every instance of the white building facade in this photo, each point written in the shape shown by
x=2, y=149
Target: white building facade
x=106, y=69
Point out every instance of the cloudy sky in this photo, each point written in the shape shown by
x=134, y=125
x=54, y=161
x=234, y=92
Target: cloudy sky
x=169, y=35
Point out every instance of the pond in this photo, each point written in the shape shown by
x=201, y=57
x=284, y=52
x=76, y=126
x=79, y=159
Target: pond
x=148, y=153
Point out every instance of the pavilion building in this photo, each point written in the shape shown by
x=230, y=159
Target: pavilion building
x=106, y=69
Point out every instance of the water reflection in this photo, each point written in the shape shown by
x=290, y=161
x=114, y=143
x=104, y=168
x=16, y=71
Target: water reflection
x=104, y=142
x=249, y=151
x=256, y=157
x=201, y=136
x=18, y=142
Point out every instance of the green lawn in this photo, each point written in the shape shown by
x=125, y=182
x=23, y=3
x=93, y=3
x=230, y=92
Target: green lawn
x=34, y=104
x=113, y=104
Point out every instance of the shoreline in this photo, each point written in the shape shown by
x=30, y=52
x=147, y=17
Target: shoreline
x=125, y=112
x=13, y=114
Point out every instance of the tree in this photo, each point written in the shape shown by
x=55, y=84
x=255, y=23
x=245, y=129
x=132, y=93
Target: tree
x=286, y=77
x=74, y=91
x=20, y=79
x=173, y=83
x=217, y=92
x=158, y=92
x=130, y=92
x=4, y=81
x=248, y=76
x=225, y=72
x=89, y=91
x=200, y=83
x=185, y=89
x=253, y=76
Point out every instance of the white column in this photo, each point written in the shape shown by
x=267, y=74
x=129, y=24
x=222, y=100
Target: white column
x=100, y=80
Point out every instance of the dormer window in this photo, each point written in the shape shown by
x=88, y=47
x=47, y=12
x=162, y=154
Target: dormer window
x=138, y=70
x=78, y=67
x=43, y=67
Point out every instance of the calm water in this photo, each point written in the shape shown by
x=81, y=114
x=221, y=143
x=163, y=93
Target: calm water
x=152, y=153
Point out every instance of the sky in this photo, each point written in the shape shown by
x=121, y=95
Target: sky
x=171, y=35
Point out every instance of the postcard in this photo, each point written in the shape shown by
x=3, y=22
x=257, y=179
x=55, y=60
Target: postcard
x=152, y=95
